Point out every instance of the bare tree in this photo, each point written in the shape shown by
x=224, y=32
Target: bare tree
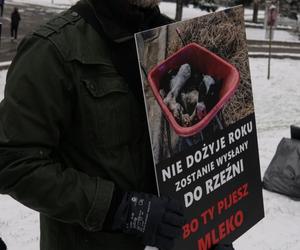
x=255, y=10
x=179, y=7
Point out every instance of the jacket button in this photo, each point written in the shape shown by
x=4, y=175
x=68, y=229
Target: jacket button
x=92, y=86
x=74, y=14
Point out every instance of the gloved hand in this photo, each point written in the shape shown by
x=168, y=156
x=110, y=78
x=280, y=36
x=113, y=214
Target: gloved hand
x=223, y=247
x=157, y=221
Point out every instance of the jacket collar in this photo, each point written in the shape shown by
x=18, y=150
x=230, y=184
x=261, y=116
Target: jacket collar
x=120, y=33
x=110, y=27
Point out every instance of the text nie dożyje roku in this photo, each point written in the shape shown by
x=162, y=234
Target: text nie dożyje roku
x=234, y=165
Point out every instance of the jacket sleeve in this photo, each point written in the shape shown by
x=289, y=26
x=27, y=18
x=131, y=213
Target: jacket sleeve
x=35, y=108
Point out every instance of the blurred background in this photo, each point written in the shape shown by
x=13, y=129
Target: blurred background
x=35, y=12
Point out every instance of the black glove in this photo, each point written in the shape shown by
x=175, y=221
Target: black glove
x=157, y=221
x=223, y=247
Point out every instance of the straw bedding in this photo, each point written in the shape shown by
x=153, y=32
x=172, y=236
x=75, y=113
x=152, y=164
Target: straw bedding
x=223, y=34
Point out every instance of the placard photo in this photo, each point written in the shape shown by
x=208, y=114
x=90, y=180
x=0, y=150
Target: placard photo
x=201, y=119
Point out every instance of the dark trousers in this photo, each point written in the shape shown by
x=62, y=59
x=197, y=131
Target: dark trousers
x=14, y=31
x=1, y=9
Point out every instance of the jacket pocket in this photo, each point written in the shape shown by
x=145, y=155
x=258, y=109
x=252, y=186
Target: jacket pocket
x=108, y=112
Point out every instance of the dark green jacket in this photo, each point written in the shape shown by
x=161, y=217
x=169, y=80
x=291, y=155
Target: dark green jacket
x=71, y=129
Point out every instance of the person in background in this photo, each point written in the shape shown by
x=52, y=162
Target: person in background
x=15, y=20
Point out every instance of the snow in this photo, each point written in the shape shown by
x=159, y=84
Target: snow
x=19, y=226
x=277, y=55
x=4, y=64
x=277, y=107
x=169, y=9
x=2, y=81
x=279, y=35
x=280, y=105
x=249, y=13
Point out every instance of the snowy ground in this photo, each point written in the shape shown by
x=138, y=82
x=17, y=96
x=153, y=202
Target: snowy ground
x=2, y=81
x=19, y=226
x=249, y=12
x=169, y=9
x=279, y=35
x=277, y=106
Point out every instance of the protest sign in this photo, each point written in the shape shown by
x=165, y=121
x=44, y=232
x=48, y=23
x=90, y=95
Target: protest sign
x=200, y=112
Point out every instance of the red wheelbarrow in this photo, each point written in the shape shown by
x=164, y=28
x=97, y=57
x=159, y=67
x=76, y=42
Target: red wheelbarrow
x=205, y=62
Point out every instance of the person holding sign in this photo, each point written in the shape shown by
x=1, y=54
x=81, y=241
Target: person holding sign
x=74, y=143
